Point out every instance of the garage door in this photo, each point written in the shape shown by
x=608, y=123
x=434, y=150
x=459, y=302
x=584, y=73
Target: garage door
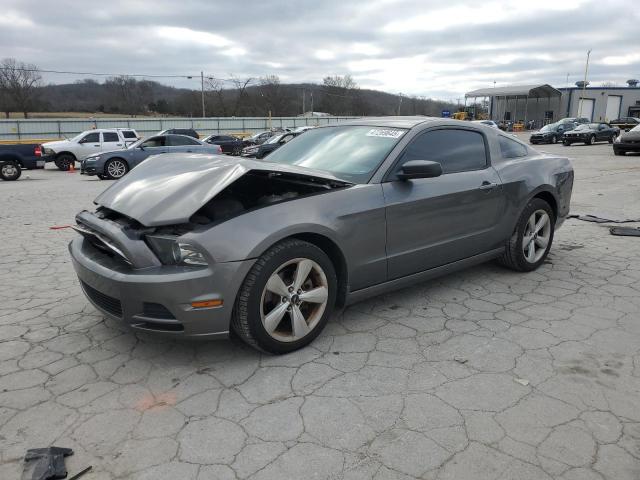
x=613, y=107
x=585, y=108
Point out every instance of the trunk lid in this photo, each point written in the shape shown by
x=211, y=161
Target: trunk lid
x=168, y=189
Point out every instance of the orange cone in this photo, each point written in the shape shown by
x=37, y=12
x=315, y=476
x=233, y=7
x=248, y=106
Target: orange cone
x=72, y=167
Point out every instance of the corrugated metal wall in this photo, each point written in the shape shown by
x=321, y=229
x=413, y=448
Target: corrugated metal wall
x=59, y=128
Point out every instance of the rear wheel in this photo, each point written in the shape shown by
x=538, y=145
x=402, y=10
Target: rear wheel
x=532, y=238
x=64, y=160
x=116, y=168
x=618, y=153
x=612, y=138
x=236, y=151
x=287, y=298
x=554, y=139
x=566, y=143
x=10, y=170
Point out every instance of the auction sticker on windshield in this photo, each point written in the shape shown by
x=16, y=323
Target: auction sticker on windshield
x=385, y=132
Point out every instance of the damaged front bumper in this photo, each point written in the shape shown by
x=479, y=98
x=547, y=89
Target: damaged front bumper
x=157, y=298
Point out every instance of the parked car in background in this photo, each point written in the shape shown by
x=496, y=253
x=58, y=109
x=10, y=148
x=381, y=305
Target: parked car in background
x=488, y=123
x=116, y=164
x=16, y=156
x=189, y=132
x=260, y=137
x=590, y=133
x=625, y=123
x=551, y=133
x=229, y=144
x=65, y=152
x=275, y=142
x=342, y=213
x=627, y=141
x=578, y=120
x=304, y=128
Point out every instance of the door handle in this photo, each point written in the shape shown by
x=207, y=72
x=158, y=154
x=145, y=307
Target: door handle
x=488, y=186
x=97, y=145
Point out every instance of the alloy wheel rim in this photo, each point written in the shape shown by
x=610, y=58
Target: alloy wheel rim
x=536, y=237
x=116, y=169
x=294, y=300
x=9, y=170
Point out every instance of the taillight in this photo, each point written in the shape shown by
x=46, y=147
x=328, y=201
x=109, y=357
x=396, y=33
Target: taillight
x=38, y=151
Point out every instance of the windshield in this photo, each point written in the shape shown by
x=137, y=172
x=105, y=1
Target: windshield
x=349, y=152
x=635, y=129
x=549, y=128
x=78, y=137
x=587, y=126
x=274, y=139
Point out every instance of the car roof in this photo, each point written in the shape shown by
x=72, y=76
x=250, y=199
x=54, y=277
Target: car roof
x=398, y=122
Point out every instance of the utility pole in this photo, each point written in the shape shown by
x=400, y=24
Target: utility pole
x=202, y=91
x=584, y=84
x=303, y=99
x=399, y=103
x=312, y=103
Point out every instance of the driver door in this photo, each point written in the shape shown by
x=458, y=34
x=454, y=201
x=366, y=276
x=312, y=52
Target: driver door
x=435, y=221
x=89, y=144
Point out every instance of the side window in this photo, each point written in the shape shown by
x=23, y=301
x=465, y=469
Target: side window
x=154, y=142
x=510, y=148
x=91, y=138
x=110, y=137
x=129, y=134
x=286, y=138
x=456, y=150
x=179, y=140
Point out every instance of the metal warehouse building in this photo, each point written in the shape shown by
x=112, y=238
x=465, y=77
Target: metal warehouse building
x=543, y=103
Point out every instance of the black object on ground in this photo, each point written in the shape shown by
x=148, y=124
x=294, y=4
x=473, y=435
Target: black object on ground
x=81, y=473
x=625, y=231
x=46, y=463
x=597, y=219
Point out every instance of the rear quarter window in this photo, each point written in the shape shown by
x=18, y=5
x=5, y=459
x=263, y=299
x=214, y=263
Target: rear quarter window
x=128, y=134
x=511, y=148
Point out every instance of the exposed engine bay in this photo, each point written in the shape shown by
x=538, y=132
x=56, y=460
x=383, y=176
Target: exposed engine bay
x=260, y=188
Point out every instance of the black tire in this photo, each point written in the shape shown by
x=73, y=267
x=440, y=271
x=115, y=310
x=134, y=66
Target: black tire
x=236, y=151
x=111, y=167
x=612, y=138
x=247, y=318
x=514, y=257
x=591, y=141
x=64, y=160
x=10, y=170
x=100, y=176
x=618, y=153
x=566, y=143
x=554, y=139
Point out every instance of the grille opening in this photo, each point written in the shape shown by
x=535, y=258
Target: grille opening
x=156, y=310
x=104, y=301
x=160, y=327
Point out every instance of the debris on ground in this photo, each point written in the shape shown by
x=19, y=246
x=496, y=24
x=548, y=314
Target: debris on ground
x=602, y=219
x=625, y=231
x=45, y=463
x=461, y=360
x=521, y=381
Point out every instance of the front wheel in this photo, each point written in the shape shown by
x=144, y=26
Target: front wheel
x=287, y=298
x=64, y=161
x=531, y=240
x=10, y=171
x=618, y=153
x=612, y=138
x=554, y=139
x=116, y=168
x=236, y=151
x=566, y=143
x=591, y=141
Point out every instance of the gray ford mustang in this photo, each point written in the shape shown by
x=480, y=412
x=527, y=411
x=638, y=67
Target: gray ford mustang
x=198, y=245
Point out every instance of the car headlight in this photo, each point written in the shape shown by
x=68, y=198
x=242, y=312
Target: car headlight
x=93, y=159
x=170, y=251
x=618, y=139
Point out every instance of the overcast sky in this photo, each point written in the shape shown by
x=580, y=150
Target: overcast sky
x=434, y=48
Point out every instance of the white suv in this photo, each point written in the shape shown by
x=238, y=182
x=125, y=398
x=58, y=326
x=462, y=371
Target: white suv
x=87, y=143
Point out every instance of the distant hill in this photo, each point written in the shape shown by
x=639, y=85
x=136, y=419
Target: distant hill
x=128, y=96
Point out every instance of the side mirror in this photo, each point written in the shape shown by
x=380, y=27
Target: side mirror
x=141, y=147
x=627, y=129
x=420, y=169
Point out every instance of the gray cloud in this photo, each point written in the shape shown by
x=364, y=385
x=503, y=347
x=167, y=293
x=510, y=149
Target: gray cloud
x=422, y=47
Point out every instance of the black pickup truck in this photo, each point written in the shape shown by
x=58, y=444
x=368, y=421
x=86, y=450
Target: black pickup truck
x=16, y=156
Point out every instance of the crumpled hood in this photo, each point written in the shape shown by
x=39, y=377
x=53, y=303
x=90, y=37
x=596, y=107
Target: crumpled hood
x=630, y=136
x=168, y=189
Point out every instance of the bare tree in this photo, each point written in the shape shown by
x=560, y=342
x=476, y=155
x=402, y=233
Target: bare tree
x=19, y=83
x=128, y=95
x=340, y=95
x=240, y=86
x=272, y=94
x=214, y=92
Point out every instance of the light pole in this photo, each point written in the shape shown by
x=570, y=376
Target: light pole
x=584, y=84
